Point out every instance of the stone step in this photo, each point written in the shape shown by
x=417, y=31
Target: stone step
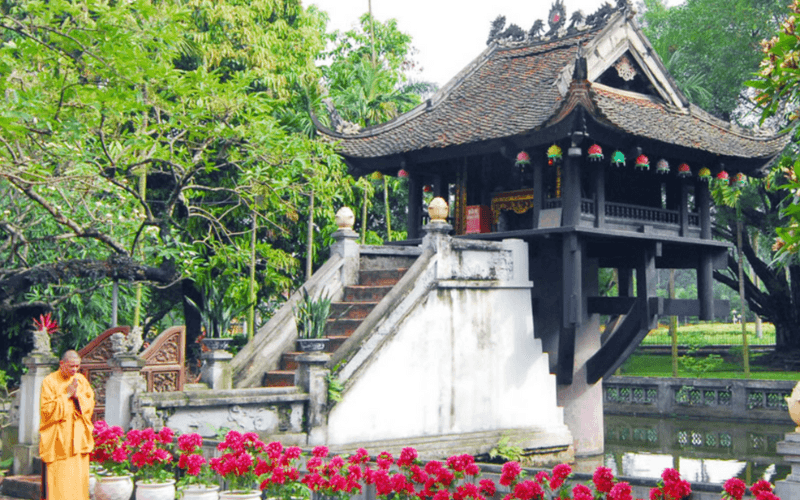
x=336, y=342
x=381, y=277
x=351, y=310
x=22, y=487
x=289, y=360
x=341, y=326
x=278, y=378
x=360, y=293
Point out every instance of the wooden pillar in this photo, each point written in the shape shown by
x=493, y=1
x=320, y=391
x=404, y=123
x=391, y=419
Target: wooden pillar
x=625, y=287
x=486, y=180
x=538, y=187
x=600, y=195
x=683, y=209
x=705, y=269
x=571, y=305
x=703, y=200
x=571, y=188
x=705, y=287
x=646, y=286
x=414, y=205
x=440, y=188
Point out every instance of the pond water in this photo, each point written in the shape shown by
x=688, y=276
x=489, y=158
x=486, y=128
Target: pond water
x=702, y=450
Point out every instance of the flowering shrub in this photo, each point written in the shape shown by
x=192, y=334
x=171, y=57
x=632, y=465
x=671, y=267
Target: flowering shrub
x=278, y=473
x=192, y=462
x=110, y=449
x=237, y=465
x=735, y=488
x=152, y=460
x=336, y=478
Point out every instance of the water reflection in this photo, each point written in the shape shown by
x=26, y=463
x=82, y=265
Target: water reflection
x=702, y=450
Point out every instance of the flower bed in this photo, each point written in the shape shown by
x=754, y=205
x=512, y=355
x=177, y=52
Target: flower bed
x=247, y=463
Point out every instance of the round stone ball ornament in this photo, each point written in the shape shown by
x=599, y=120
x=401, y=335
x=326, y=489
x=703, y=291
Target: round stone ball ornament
x=438, y=210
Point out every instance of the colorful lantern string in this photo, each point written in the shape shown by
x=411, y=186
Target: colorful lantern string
x=554, y=152
x=740, y=179
x=618, y=159
x=662, y=167
x=595, y=152
x=684, y=170
x=523, y=159
x=643, y=162
x=402, y=173
x=704, y=174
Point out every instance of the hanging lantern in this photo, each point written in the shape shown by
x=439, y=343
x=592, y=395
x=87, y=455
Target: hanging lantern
x=618, y=159
x=595, y=152
x=723, y=176
x=427, y=188
x=704, y=174
x=684, y=170
x=662, y=167
x=740, y=179
x=376, y=176
x=643, y=162
x=554, y=153
x=523, y=159
x=402, y=173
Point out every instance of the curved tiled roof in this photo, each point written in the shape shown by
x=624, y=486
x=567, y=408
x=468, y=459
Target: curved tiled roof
x=693, y=128
x=511, y=91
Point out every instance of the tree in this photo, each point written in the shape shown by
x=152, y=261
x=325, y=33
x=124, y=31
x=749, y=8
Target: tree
x=711, y=45
x=138, y=141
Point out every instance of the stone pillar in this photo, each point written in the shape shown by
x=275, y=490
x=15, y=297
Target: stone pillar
x=789, y=488
x=125, y=380
x=216, y=371
x=39, y=365
x=437, y=237
x=311, y=377
x=345, y=245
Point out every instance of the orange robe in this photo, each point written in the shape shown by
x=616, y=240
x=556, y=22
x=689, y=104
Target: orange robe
x=65, y=437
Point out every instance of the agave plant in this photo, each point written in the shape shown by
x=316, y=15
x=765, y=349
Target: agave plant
x=311, y=315
x=217, y=313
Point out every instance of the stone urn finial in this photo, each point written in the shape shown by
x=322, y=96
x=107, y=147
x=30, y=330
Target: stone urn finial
x=345, y=219
x=438, y=210
x=793, y=402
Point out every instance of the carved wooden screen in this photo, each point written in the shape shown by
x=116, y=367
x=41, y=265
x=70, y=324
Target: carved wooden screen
x=163, y=370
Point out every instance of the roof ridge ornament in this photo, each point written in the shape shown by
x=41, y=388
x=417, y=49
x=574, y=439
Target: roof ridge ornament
x=557, y=21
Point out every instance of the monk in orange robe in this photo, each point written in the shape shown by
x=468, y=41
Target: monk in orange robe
x=65, y=431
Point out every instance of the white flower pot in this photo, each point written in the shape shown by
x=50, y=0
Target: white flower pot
x=155, y=491
x=240, y=495
x=113, y=488
x=198, y=492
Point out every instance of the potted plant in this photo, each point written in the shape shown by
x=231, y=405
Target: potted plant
x=280, y=478
x=111, y=453
x=311, y=317
x=237, y=465
x=199, y=482
x=216, y=316
x=153, y=462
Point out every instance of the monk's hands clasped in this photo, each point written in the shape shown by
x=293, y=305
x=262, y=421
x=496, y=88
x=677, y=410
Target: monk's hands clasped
x=72, y=388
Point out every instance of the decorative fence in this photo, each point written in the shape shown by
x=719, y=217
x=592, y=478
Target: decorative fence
x=749, y=400
x=164, y=370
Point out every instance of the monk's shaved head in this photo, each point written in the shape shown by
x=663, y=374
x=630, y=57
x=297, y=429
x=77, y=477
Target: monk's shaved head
x=71, y=355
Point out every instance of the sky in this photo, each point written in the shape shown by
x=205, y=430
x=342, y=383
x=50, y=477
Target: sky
x=448, y=34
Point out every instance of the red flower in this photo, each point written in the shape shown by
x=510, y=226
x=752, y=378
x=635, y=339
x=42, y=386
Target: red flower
x=676, y=489
x=385, y=460
x=582, y=492
x=656, y=494
x=603, y=479
x=320, y=451
x=487, y=487
x=620, y=491
x=760, y=487
x=441, y=495
x=528, y=490
x=408, y=456
x=735, y=488
x=509, y=473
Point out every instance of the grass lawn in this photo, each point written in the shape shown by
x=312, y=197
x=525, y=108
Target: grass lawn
x=712, y=334
x=639, y=365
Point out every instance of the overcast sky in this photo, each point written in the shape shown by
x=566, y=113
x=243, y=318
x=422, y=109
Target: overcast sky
x=448, y=34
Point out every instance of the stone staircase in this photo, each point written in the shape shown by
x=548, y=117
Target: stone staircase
x=345, y=317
